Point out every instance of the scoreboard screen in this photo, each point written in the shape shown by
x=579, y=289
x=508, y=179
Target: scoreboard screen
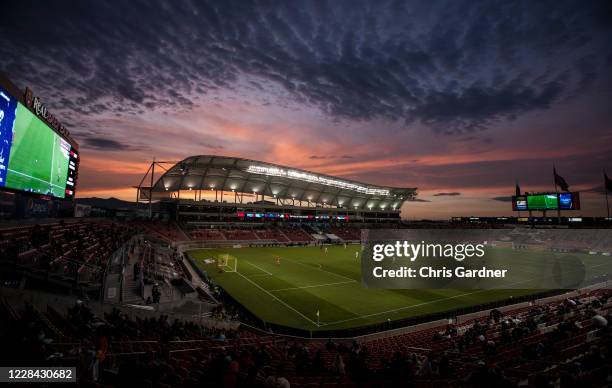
x=33, y=157
x=543, y=202
x=546, y=201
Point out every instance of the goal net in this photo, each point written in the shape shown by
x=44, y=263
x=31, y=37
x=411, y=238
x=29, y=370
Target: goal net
x=227, y=262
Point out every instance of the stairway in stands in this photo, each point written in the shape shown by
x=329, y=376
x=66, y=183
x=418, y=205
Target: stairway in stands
x=130, y=289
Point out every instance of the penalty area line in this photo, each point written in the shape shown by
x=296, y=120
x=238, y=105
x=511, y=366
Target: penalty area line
x=278, y=299
x=314, y=286
x=320, y=269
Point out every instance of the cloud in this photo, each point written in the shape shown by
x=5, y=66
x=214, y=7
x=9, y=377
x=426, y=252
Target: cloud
x=105, y=144
x=451, y=194
x=502, y=199
x=329, y=157
x=418, y=200
x=455, y=67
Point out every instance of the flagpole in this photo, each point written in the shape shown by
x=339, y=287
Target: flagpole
x=557, y=192
x=517, y=192
x=606, y=190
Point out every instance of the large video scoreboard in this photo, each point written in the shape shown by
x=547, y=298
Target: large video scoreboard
x=546, y=201
x=33, y=157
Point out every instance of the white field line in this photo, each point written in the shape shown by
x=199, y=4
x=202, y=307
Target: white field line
x=402, y=308
x=258, y=267
x=281, y=301
x=314, y=286
x=33, y=177
x=320, y=269
x=440, y=300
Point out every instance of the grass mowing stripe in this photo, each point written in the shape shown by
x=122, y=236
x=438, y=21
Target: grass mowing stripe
x=350, y=302
x=278, y=299
x=440, y=300
x=320, y=269
x=405, y=308
x=314, y=286
x=258, y=267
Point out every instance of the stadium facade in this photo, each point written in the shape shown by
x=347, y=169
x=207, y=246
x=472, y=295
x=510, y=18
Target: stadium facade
x=209, y=187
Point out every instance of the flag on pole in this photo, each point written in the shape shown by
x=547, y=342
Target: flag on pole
x=518, y=189
x=608, y=182
x=560, y=181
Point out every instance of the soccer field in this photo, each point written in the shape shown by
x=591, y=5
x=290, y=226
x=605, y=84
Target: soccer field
x=308, y=280
x=37, y=162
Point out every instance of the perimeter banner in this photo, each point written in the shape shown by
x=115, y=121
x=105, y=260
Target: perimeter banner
x=521, y=258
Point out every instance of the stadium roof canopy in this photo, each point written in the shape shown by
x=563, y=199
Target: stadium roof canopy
x=209, y=172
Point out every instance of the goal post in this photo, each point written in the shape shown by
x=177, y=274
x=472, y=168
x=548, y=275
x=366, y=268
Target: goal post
x=227, y=262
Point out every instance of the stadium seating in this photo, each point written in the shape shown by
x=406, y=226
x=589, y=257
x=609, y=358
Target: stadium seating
x=533, y=345
x=168, y=231
x=347, y=233
x=240, y=235
x=296, y=234
x=207, y=234
x=286, y=234
x=563, y=342
x=75, y=252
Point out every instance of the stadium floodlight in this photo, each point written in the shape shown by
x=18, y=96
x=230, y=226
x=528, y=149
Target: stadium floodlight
x=312, y=178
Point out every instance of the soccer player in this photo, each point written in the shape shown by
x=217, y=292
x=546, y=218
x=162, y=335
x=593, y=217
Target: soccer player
x=277, y=260
x=356, y=255
x=325, y=249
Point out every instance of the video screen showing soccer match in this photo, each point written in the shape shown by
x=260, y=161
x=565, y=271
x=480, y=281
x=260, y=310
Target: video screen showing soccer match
x=36, y=159
x=310, y=194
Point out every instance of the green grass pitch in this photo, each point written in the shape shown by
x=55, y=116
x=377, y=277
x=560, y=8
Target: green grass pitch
x=309, y=280
x=36, y=161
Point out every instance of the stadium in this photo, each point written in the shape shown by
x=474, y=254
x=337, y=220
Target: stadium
x=235, y=259
x=276, y=197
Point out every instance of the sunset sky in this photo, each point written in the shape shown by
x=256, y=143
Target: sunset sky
x=457, y=98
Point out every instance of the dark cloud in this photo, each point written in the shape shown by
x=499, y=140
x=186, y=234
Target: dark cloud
x=105, y=144
x=329, y=157
x=502, y=199
x=451, y=194
x=453, y=66
x=212, y=146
